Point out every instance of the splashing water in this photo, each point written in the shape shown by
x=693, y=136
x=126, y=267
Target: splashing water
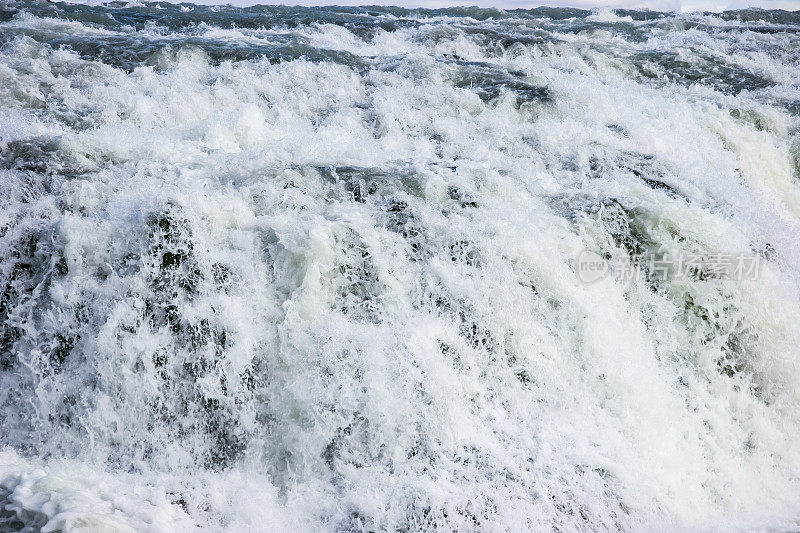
x=314, y=269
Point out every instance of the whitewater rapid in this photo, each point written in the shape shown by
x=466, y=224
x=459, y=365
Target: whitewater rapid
x=314, y=269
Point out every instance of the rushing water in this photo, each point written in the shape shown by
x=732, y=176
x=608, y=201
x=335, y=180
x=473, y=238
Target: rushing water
x=313, y=269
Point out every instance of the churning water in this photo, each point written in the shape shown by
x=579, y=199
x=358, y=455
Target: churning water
x=314, y=269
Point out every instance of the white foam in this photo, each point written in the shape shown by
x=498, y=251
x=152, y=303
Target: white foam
x=419, y=359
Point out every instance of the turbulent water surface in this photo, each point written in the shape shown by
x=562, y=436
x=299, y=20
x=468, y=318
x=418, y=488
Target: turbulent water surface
x=313, y=269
